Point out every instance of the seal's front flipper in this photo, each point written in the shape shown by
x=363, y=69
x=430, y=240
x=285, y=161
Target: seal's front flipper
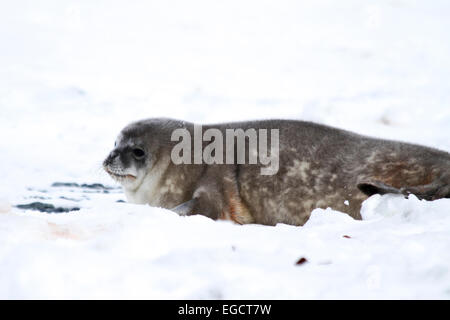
x=186, y=208
x=370, y=188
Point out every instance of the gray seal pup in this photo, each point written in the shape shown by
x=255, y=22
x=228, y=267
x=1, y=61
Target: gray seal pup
x=319, y=167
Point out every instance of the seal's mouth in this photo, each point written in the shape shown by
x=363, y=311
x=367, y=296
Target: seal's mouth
x=119, y=176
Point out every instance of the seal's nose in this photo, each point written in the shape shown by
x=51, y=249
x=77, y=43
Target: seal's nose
x=110, y=158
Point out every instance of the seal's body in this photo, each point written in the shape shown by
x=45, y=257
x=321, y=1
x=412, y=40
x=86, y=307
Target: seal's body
x=319, y=167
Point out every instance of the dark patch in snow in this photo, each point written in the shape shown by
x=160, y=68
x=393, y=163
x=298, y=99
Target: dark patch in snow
x=65, y=184
x=301, y=261
x=45, y=207
x=70, y=199
x=60, y=190
x=95, y=186
x=41, y=191
x=39, y=198
x=91, y=186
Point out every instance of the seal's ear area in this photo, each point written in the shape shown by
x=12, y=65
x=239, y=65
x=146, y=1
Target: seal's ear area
x=370, y=188
x=186, y=208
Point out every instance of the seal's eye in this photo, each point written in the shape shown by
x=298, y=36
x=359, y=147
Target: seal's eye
x=138, y=153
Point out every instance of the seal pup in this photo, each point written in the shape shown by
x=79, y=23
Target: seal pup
x=319, y=167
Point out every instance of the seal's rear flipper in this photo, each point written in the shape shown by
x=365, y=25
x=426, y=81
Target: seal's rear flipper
x=433, y=191
x=370, y=188
x=185, y=208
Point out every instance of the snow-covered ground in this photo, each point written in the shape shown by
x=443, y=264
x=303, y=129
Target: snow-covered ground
x=73, y=73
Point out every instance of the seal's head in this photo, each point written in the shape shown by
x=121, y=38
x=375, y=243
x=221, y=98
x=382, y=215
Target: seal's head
x=134, y=154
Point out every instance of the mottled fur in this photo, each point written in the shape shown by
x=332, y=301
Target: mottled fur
x=320, y=166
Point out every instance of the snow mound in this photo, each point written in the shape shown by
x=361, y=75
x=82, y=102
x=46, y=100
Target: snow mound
x=119, y=250
x=410, y=210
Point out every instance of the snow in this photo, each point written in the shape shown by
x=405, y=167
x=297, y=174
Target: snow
x=73, y=73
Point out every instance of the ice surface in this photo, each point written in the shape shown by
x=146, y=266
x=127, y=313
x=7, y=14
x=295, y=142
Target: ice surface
x=73, y=73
